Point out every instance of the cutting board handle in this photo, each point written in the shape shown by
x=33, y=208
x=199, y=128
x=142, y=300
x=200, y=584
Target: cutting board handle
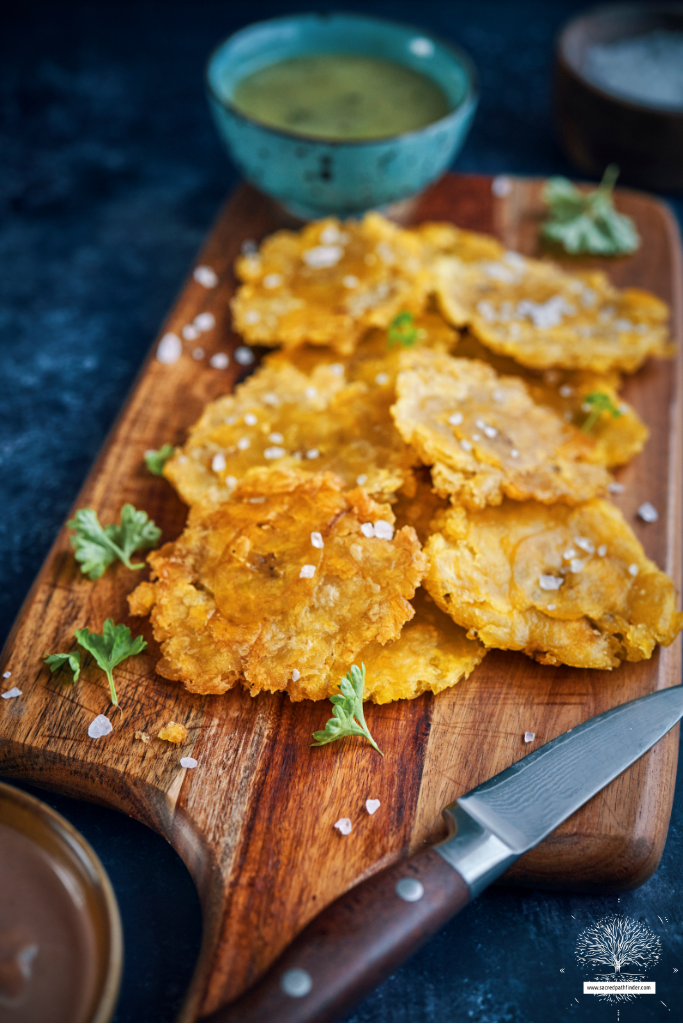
x=355, y=943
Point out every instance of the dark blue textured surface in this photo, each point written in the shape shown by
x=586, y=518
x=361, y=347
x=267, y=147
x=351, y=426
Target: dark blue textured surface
x=111, y=174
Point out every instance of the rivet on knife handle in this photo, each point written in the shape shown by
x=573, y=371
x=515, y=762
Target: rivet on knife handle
x=355, y=943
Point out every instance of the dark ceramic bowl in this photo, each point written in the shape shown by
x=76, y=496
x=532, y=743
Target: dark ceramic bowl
x=316, y=177
x=599, y=127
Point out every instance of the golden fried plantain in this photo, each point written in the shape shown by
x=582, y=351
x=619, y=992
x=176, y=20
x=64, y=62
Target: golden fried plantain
x=485, y=437
x=542, y=316
x=329, y=283
x=565, y=585
x=280, y=587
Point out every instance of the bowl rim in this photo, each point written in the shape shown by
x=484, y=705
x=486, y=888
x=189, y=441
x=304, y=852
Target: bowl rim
x=105, y=999
x=469, y=100
x=606, y=9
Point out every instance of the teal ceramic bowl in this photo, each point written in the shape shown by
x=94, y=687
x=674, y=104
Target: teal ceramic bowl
x=317, y=177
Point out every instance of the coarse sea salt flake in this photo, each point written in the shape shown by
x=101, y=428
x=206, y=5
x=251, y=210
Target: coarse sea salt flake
x=276, y=437
x=188, y=762
x=205, y=321
x=170, y=349
x=205, y=276
x=615, y=488
x=367, y=529
x=633, y=569
x=344, y=825
x=312, y=453
x=350, y=281
x=362, y=479
x=501, y=186
x=602, y=550
x=311, y=393
x=371, y=806
x=548, y=582
x=275, y=452
x=585, y=544
x=243, y=444
x=219, y=361
x=529, y=737
x=250, y=419
x=384, y=530
x=14, y=692
x=317, y=539
x=322, y=256
x=6, y=675
x=551, y=607
x=566, y=390
x=218, y=462
x=648, y=513
x=465, y=445
x=337, y=369
x=231, y=481
x=190, y=332
x=252, y=316
x=244, y=356
x=456, y=419
x=295, y=675
x=272, y=280
x=382, y=378
x=490, y=431
x=514, y=454
x=100, y=726
x=307, y=572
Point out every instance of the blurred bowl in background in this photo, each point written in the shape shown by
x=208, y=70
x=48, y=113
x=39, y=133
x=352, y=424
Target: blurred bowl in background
x=600, y=123
x=314, y=177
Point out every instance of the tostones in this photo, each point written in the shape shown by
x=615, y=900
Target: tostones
x=280, y=587
x=617, y=432
x=541, y=316
x=329, y=283
x=565, y=585
x=485, y=437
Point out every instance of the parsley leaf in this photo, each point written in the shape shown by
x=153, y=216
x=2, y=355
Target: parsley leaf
x=348, y=718
x=57, y=661
x=402, y=330
x=110, y=648
x=586, y=222
x=595, y=404
x=156, y=460
x=97, y=546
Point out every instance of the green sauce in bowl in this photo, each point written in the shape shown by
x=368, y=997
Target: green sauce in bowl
x=341, y=96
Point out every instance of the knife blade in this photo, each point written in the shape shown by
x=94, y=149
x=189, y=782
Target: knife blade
x=358, y=940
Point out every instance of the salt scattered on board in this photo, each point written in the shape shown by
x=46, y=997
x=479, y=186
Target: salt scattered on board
x=344, y=825
x=205, y=276
x=100, y=726
x=188, y=762
x=220, y=361
x=371, y=806
x=529, y=737
x=14, y=692
x=648, y=513
x=169, y=349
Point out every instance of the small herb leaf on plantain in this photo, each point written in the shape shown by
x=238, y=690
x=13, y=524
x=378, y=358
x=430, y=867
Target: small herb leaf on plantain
x=587, y=222
x=156, y=459
x=109, y=648
x=595, y=404
x=348, y=718
x=72, y=659
x=98, y=546
x=402, y=330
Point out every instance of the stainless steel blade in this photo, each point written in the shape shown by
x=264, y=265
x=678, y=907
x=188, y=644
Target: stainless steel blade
x=513, y=811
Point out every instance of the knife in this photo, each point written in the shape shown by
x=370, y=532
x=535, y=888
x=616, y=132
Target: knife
x=364, y=935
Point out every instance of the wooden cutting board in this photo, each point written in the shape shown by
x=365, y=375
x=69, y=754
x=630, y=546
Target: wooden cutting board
x=254, y=821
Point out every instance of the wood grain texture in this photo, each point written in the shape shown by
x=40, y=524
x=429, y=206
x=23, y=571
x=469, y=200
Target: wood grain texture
x=254, y=820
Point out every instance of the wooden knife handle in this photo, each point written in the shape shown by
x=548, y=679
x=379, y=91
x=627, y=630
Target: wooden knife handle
x=356, y=942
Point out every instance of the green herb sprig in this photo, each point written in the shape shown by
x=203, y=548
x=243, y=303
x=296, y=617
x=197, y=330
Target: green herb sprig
x=587, y=222
x=402, y=330
x=598, y=402
x=98, y=546
x=155, y=460
x=109, y=648
x=58, y=661
x=348, y=718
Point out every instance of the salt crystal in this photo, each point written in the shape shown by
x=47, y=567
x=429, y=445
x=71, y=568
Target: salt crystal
x=205, y=276
x=275, y=437
x=344, y=825
x=371, y=806
x=367, y=529
x=198, y=353
x=252, y=316
x=548, y=582
x=14, y=692
x=569, y=554
x=501, y=186
x=317, y=539
x=188, y=762
x=576, y=565
x=250, y=419
x=337, y=369
x=633, y=569
x=529, y=737
x=648, y=512
x=350, y=281
x=615, y=488
x=219, y=361
x=602, y=550
x=100, y=726
x=421, y=47
x=330, y=235
x=244, y=356
x=456, y=419
x=476, y=437
x=275, y=452
x=322, y=256
x=272, y=280
x=218, y=462
x=551, y=607
x=383, y=529
x=514, y=454
x=295, y=675
x=498, y=395
x=490, y=431
x=169, y=349
x=382, y=378
x=307, y=572
x=566, y=390
x=312, y=453
x=465, y=445
x=205, y=321
x=311, y=393
x=585, y=544
x=243, y=444
x=231, y=481
x=362, y=479
x=190, y=332
x=6, y=675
